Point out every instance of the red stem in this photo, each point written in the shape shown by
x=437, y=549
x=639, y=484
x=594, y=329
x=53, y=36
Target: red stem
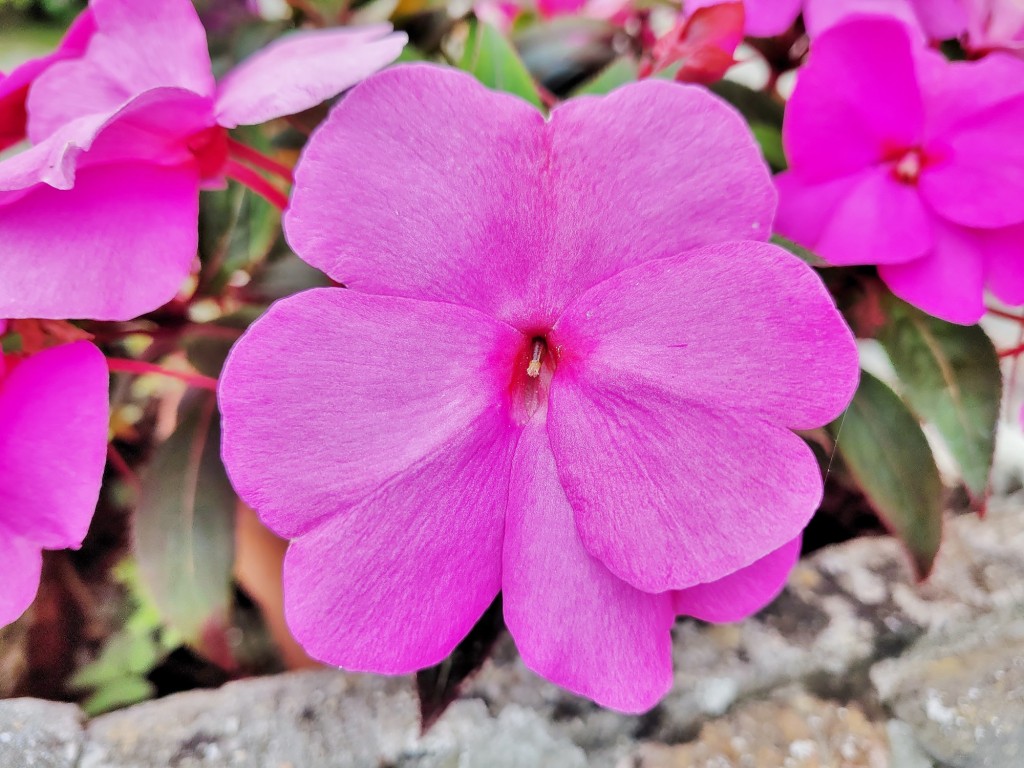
x=257, y=184
x=247, y=154
x=139, y=367
x=1005, y=315
x=1013, y=352
x=126, y=472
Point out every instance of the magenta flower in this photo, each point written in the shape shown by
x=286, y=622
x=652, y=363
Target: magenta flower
x=126, y=135
x=563, y=369
x=14, y=88
x=909, y=162
x=937, y=19
x=53, y=440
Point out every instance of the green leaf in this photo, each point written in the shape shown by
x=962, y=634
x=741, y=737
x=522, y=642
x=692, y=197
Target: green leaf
x=207, y=344
x=770, y=139
x=621, y=71
x=184, y=527
x=809, y=258
x=115, y=694
x=951, y=378
x=492, y=60
x=886, y=452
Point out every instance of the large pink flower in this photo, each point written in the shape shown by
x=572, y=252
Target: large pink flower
x=53, y=440
x=98, y=219
x=563, y=369
x=909, y=162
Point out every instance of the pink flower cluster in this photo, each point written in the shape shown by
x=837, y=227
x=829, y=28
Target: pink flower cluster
x=53, y=437
x=127, y=125
x=98, y=219
x=984, y=25
x=903, y=159
x=564, y=368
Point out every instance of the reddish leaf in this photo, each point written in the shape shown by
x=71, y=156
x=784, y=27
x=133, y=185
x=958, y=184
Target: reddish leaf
x=703, y=44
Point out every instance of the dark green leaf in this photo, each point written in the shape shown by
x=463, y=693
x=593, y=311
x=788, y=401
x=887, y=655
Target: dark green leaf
x=621, y=71
x=809, y=258
x=888, y=455
x=439, y=686
x=951, y=378
x=207, y=345
x=770, y=139
x=184, y=527
x=492, y=60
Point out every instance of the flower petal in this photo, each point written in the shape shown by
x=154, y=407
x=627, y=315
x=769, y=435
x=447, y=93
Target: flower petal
x=53, y=445
x=979, y=178
x=776, y=351
x=805, y=208
x=574, y=622
x=842, y=118
x=137, y=46
x=679, y=494
x=1005, y=251
x=743, y=593
x=948, y=281
x=302, y=70
x=22, y=564
x=881, y=221
x=502, y=200
x=14, y=88
x=332, y=394
x=126, y=241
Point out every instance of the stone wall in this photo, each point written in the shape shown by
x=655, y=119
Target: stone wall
x=854, y=666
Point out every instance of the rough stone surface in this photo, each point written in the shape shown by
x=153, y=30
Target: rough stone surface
x=855, y=666
x=963, y=695
x=40, y=734
x=791, y=730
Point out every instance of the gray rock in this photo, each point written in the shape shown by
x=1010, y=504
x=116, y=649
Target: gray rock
x=962, y=693
x=39, y=734
x=323, y=719
x=320, y=720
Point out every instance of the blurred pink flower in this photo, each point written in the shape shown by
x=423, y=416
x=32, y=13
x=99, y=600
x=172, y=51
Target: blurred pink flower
x=14, y=87
x=563, y=369
x=53, y=442
x=938, y=19
x=909, y=162
x=98, y=219
x=996, y=25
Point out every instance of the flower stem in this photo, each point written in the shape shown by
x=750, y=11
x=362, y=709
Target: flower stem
x=247, y=154
x=139, y=367
x=257, y=184
x=1013, y=351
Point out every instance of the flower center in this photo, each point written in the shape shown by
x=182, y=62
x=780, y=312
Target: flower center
x=210, y=148
x=532, y=372
x=908, y=167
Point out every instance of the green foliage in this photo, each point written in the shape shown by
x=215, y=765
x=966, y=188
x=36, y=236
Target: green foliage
x=118, y=676
x=951, y=378
x=805, y=255
x=184, y=529
x=621, y=71
x=883, y=447
x=492, y=60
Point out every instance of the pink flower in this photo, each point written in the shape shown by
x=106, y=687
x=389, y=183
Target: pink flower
x=126, y=135
x=563, y=369
x=14, y=88
x=909, y=162
x=53, y=441
x=937, y=19
x=996, y=25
